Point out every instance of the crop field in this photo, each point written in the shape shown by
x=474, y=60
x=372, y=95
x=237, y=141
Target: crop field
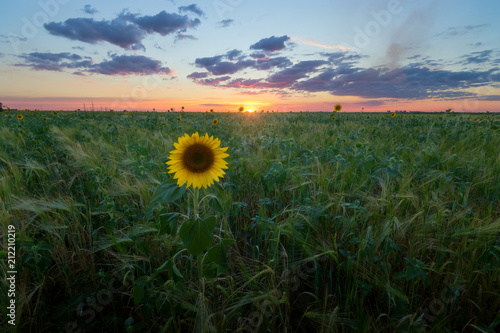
x=323, y=222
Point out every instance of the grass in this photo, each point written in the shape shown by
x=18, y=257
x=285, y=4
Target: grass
x=365, y=223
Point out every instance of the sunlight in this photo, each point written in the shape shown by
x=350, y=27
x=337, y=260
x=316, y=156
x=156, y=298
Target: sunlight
x=250, y=110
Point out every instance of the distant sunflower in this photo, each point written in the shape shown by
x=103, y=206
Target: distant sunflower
x=20, y=117
x=393, y=114
x=180, y=118
x=197, y=160
x=215, y=122
x=337, y=107
x=333, y=117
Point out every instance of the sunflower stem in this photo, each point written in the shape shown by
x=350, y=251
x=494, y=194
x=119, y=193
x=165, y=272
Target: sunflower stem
x=196, y=203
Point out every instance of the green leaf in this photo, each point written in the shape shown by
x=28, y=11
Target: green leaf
x=197, y=235
x=215, y=204
x=168, y=192
x=129, y=321
x=168, y=224
x=138, y=293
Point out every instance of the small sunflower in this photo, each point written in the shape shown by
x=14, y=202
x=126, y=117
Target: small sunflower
x=180, y=118
x=197, y=160
x=393, y=114
x=20, y=117
x=215, y=122
x=333, y=117
x=337, y=107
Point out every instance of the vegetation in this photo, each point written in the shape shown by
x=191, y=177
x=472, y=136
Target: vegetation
x=364, y=223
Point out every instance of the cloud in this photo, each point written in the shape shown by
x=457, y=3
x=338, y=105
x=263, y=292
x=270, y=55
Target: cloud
x=125, y=65
x=478, y=57
x=271, y=44
x=181, y=36
x=197, y=75
x=288, y=76
x=118, y=65
x=88, y=9
x=54, y=61
x=11, y=38
x=233, y=54
x=453, y=32
x=117, y=32
x=192, y=8
x=126, y=31
x=226, y=23
x=268, y=63
x=409, y=82
x=163, y=23
x=323, y=46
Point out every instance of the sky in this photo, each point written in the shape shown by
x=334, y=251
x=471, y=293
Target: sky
x=368, y=55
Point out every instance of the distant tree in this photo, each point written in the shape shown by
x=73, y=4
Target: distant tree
x=1, y=107
x=241, y=109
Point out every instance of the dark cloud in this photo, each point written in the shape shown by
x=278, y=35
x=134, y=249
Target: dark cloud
x=265, y=64
x=271, y=44
x=88, y=9
x=213, y=81
x=197, y=75
x=126, y=31
x=54, y=61
x=125, y=65
x=163, y=23
x=118, y=65
x=233, y=54
x=207, y=61
x=226, y=67
x=226, y=23
x=192, y=8
x=288, y=76
x=478, y=57
x=117, y=32
x=341, y=75
x=409, y=82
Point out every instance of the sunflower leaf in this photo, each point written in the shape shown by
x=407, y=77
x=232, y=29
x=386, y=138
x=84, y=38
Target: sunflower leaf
x=197, y=234
x=168, y=192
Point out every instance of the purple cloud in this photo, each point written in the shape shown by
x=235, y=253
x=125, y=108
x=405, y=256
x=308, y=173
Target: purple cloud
x=117, y=32
x=271, y=44
x=126, y=31
x=125, y=65
x=118, y=65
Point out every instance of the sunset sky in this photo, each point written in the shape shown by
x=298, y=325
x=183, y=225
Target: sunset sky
x=376, y=55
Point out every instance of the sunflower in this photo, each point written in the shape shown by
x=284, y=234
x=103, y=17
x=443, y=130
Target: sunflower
x=393, y=114
x=337, y=107
x=20, y=117
x=333, y=117
x=197, y=160
x=215, y=122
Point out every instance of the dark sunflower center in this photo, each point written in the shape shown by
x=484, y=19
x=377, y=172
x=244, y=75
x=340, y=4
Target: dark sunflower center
x=198, y=158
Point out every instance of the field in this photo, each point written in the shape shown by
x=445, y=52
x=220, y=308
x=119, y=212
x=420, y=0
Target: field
x=362, y=223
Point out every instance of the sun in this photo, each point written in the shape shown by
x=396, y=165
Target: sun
x=250, y=110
